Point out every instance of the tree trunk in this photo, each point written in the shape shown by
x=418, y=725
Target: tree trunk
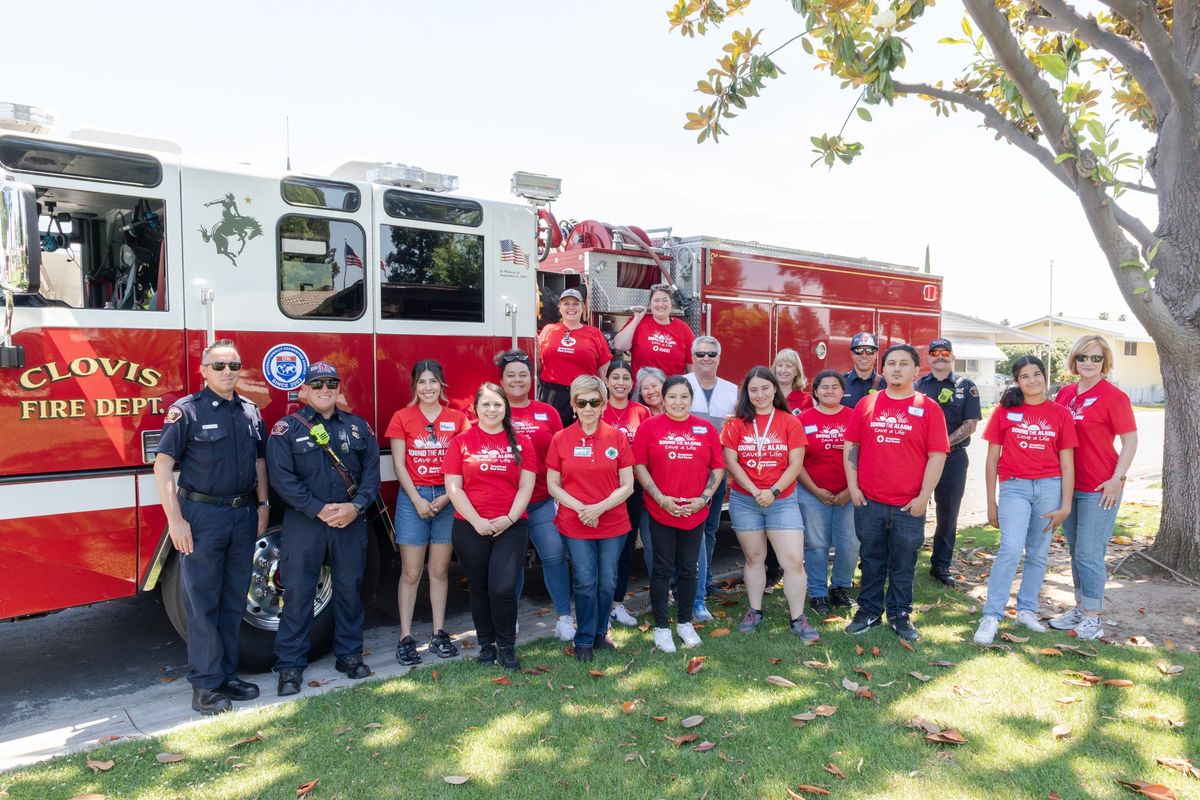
x=1178, y=542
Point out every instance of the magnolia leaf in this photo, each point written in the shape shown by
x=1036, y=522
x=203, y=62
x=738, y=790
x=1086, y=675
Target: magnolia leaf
x=100, y=766
x=1061, y=731
x=703, y=747
x=825, y=711
x=1120, y=683
x=779, y=680
x=169, y=758
x=692, y=721
x=456, y=780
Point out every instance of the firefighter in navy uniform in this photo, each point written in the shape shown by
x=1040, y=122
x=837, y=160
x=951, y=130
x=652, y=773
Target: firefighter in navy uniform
x=958, y=398
x=324, y=464
x=862, y=380
x=215, y=512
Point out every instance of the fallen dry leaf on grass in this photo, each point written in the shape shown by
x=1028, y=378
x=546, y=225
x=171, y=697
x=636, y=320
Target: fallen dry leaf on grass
x=806, y=788
x=258, y=737
x=342, y=730
x=456, y=780
x=372, y=725
x=100, y=766
x=858, y=651
x=695, y=664
x=305, y=789
x=948, y=736
x=1066, y=701
x=832, y=769
x=800, y=720
x=1120, y=683
x=849, y=685
x=864, y=693
x=692, y=721
x=680, y=741
x=319, y=684
x=703, y=747
x=716, y=632
x=825, y=711
x=812, y=664
x=941, y=663
x=1054, y=796
x=774, y=660
x=1012, y=637
x=629, y=705
x=106, y=739
x=530, y=671
x=875, y=651
x=169, y=758
x=905, y=645
x=88, y=796
x=1050, y=651
x=1181, y=764
x=502, y=681
x=779, y=680
x=863, y=672
x=595, y=673
x=1169, y=669
x=659, y=719
x=1061, y=731
x=1155, y=791
x=921, y=676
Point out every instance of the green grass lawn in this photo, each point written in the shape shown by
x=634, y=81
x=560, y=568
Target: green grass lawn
x=561, y=731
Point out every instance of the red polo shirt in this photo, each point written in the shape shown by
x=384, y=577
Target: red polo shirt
x=566, y=354
x=588, y=466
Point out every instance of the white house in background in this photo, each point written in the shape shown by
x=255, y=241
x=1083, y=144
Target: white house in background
x=1135, y=369
x=976, y=349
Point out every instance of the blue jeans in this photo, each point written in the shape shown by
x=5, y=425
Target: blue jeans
x=552, y=553
x=1088, y=530
x=826, y=526
x=711, y=524
x=1021, y=506
x=594, y=576
x=889, y=540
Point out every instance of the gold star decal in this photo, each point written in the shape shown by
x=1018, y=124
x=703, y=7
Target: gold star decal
x=248, y=200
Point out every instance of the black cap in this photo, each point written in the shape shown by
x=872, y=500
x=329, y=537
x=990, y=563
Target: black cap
x=864, y=339
x=941, y=344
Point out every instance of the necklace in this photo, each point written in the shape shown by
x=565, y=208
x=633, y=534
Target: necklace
x=758, y=438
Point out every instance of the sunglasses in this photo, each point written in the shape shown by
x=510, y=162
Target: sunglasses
x=940, y=353
x=864, y=351
x=219, y=366
x=595, y=402
x=706, y=354
x=522, y=358
x=1079, y=359
x=320, y=383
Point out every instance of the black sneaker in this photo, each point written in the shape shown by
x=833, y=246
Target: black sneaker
x=442, y=646
x=583, y=653
x=839, y=597
x=903, y=627
x=406, y=652
x=819, y=605
x=508, y=659
x=352, y=667
x=862, y=622
x=604, y=643
x=487, y=654
x=944, y=578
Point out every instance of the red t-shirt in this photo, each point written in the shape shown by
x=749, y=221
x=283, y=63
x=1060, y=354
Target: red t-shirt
x=539, y=421
x=1031, y=438
x=626, y=419
x=425, y=442
x=763, y=465
x=1101, y=414
x=895, y=438
x=588, y=465
x=668, y=347
x=489, y=469
x=566, y=354
x=679, y=454
x=826, y=443
x=799, y=400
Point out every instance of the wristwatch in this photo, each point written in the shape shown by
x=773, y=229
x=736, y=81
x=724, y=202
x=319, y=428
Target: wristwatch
x=357, y=507
x=1122, y=478
x=264, y=504
x=707, y=498
x=776, y=492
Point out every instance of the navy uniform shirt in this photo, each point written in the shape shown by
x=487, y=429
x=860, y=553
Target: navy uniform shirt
x=857, y=388
x=303, y=473
x=215, y=443
x=958, y=398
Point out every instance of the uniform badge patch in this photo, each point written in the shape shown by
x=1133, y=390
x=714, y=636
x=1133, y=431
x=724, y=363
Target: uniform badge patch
x=279, y=429
x=611, y=452
x=173, y=415
x=974, y=391
x=354, y=431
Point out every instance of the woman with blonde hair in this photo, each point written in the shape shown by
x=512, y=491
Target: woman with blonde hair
x=1102, y=413
x=790, y=372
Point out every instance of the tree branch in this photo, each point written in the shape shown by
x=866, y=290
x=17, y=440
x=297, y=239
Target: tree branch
x=1143, y=17
x=1065, y=19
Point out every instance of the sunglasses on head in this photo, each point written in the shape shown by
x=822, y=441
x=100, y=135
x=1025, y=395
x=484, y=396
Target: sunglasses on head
x=582, y=402
x=321, y=383
x=940, y=352
x=864, y=351
x=706, y=354
x=219, y=366
x=1080, y=358
x=513, y=359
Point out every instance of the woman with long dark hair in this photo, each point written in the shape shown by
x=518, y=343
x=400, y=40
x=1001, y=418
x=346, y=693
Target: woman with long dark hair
x=419, y=435
x=626, y=415
x=764, y=453
x=1031, y=444
x=490, y=471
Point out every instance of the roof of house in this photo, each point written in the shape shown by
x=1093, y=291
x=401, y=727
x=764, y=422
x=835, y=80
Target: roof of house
x=955, y=324
x=1129, y=329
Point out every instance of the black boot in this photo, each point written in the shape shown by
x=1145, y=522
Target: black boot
x=508, y=659
x=209, y=701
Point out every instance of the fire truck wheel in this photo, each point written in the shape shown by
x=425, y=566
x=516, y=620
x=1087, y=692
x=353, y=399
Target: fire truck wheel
x=264, y=601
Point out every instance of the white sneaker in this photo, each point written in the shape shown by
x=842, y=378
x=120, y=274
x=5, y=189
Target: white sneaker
x=565, y=628
x=1028, y=619
x=663, y=640
x=1089, y=628
x=688, y=634
x=986, y=633
x=1068, y=621
x=621, y=614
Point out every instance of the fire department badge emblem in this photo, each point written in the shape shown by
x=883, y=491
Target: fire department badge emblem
x=173, y=415
x=284, y=366
x=280, y=428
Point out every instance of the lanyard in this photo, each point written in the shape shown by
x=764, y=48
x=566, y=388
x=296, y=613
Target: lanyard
x=758, y=439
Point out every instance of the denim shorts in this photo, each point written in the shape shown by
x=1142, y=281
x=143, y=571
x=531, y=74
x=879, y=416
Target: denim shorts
x=748, y=517
x=412, y=529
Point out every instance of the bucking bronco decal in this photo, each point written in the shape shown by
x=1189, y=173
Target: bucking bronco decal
x=232, y=226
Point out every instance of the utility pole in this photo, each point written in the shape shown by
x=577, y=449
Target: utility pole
x=1050, y=349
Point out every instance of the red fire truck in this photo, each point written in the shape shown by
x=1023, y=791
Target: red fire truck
x=123, y=258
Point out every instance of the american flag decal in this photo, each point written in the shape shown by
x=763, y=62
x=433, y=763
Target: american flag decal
x=351, y=258
x=511, y=251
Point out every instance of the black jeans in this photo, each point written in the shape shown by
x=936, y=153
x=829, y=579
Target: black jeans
x=492, y=564
x=947, y=498
x=889, y=541
x=634, y=505
x=676, y=552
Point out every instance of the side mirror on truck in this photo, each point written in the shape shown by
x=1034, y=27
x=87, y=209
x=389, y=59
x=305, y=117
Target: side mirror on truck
x=20, y=258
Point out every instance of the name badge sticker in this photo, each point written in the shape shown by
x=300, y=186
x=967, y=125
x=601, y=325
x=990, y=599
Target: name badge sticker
x=1015, y=416
x=445, y=426
x=698, y=429
x=211, y=427
x=810, y=428
x=583, y=452
x=540, y=417
x=1089, y=401
x=916, y=411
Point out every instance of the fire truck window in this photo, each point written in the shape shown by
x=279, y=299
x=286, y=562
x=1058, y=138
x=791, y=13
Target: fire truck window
x=77, y=161
x=432, y=208
x=317, y=193
x=430, y=275
x=100, y=251
x=321, y=268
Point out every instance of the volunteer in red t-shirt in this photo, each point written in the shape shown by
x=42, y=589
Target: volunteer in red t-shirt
x=590, y=474
x=539, y=421
x=896, y=446
x=567, y=350
x=626, y=415
x=489, y=471
x=419, y=435
x=1031, y=446
x=658, y=340
x=824, y=498
x=790, y=372
x=764, y=452
x=1102, y=413
x=678, y=462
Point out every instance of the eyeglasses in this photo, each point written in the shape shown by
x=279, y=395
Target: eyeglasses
x=582, y=402
x=864, y=351
x=322, y=383
x=219, y=366
x=940, y=353
x=706, y=354
x=1081, y=357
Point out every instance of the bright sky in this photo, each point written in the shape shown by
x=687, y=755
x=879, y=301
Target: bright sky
x=594, y=94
